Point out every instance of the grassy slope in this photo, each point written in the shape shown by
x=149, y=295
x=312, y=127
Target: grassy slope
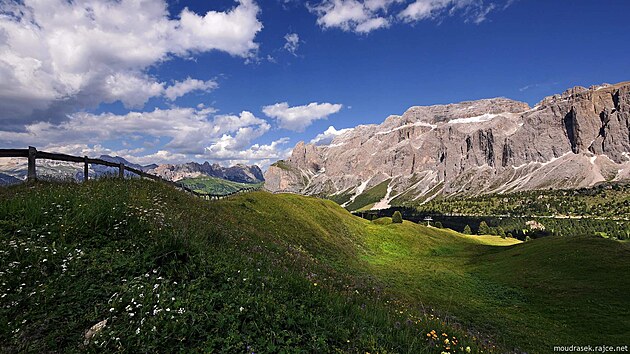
x=534, y=294
x=170, y=272
x=529, y=295
x=213, y=185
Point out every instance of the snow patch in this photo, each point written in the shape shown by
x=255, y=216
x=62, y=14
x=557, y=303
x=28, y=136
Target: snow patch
x=335, y=145
x=416, y=124
x=542, y=163
x=477, y=119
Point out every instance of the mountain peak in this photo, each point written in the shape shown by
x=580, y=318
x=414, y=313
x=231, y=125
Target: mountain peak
x=574, y=139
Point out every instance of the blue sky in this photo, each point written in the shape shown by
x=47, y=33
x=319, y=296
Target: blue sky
x=243, y=81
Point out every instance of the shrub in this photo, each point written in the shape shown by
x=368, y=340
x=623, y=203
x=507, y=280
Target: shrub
x=467, y=230
x=397, y=218
x=438, y=225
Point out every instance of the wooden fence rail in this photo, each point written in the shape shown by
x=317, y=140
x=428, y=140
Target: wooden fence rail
x=33, y=155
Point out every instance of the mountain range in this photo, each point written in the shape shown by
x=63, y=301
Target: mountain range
x=14, y=170
x=237, y=173
x=570, y=140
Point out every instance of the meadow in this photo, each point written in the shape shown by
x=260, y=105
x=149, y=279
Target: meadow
x=267, y=273
x=216, y=186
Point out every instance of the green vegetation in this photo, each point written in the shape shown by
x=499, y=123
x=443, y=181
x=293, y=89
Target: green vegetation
x=467, y=230
x=608, y=200
x=269, y=273
x=397, y=218
x=369, y=196
x=342, y=197
x=283, y=165
x=517, y=226
x=216, y=186
x=484, y=229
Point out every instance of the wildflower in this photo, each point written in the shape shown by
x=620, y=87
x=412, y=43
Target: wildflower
x=446, y=341
x=138, y=330
x=241, y=309
x=467, y=349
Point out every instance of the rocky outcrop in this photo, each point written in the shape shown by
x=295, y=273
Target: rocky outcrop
x=574, y=139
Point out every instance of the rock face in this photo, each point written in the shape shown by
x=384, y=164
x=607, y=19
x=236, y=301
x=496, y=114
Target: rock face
x=574, y=139
x=238, y=173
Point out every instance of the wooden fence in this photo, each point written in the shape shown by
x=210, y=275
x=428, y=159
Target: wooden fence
x=33, y=155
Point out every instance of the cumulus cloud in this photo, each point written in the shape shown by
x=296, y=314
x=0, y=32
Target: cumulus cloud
x=328, y=135
x=353, y=15
x=181, y=88
x=292, y=43
x=60, y=56
x=299, y=117
x=189, y=133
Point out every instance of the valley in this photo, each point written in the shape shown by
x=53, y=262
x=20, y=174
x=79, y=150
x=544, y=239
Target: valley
x=321, y=176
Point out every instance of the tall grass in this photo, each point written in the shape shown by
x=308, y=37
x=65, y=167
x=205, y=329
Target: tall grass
x=168, y=275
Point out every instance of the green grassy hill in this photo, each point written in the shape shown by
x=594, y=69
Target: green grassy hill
x=217, y=186
x=265, y=273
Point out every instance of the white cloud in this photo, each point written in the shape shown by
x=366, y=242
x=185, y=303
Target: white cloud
x=191, y=134
x=299, y=117
x=353, y=15
x=372, y=24
x=328, y=135
x=57, y=56
x=132, y=89
x=180, y=88
x=187, y=131
x=472, y=10
x=292, y=43
x=160, y=157
x=365, y=16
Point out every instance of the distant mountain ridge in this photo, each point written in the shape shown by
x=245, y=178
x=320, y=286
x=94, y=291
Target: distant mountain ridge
x=14, y=170
x=7, y=180
x=575, y=139
x=237, y=173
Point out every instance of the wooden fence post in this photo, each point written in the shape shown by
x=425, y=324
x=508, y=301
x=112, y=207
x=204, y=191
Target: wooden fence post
x=32, y=155
x=85, y=168
x=121, y=170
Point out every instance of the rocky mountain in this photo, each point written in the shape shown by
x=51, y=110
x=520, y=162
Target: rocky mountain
x=238, y=173
x=574, y=139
